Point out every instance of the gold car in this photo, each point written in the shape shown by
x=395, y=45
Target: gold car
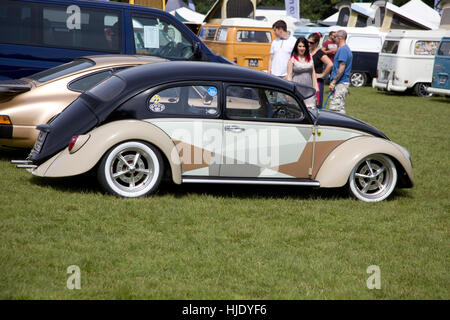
x=246, y=42
x=28, y=102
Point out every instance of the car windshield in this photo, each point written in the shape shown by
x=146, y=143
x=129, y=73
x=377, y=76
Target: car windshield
x=62, y=70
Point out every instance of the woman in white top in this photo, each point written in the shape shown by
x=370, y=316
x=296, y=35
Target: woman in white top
x=300, y=68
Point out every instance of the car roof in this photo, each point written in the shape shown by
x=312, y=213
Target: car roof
x=159, y=73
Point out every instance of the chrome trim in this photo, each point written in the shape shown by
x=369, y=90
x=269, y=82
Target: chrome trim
x=21, y=161
x=264, y=182
x=26, y=166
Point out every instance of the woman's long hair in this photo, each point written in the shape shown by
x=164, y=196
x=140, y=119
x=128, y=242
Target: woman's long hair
x=295, y=50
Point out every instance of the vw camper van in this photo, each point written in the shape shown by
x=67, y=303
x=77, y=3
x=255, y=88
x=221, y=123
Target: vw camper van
x=244, y=41
x=406, y=60
x=365, y=44
x=441, y=72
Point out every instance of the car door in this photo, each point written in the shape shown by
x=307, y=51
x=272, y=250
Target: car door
x=189, y=114
x=267, y=134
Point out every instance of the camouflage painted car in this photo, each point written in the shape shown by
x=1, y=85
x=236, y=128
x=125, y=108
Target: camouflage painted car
x=28, y=102
x=214, y=123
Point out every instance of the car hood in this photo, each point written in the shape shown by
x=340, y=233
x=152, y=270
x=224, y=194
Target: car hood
x=332, y=118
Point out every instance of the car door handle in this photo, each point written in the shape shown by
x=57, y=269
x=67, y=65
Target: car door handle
x=234, y=128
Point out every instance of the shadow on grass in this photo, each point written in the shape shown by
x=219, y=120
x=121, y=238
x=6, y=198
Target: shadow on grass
x=87, y=183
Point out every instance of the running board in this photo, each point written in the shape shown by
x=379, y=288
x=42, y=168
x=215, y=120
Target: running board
x=262, y=181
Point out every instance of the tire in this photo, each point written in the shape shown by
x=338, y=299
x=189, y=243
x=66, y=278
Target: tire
x=131, y=169
x=358, y=79
x=420, y=89
x=373, y=178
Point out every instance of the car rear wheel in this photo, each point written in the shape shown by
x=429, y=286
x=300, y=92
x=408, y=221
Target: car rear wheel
x=358, y=79
x=420, y=90
x=131, y=169
x=373, y=178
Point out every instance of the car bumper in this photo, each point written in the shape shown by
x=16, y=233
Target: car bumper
x=18, y=136
x=438, y=91
x=6, y=131
x=389, y=86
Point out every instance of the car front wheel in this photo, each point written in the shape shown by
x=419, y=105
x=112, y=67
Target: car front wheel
x=131, y=169
x=358, y=79
x=373, y=178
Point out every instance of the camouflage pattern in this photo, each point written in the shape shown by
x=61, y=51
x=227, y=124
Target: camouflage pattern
x=337, y=99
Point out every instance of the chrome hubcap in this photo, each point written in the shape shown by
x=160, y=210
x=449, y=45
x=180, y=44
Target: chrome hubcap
x=373, y=178
x=357, y=79
x=131, y=169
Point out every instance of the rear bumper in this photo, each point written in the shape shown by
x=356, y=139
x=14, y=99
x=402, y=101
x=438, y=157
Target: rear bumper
x=6, y=131
x=388, y=86
x=438, y=91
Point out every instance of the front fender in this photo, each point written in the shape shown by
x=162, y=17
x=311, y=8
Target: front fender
x=336, y=169
x=103, y=138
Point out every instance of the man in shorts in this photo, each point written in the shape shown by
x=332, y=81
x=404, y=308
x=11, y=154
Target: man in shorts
x=340, y=74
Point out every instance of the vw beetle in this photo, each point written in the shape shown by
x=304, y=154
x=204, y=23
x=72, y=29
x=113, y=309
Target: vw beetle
x=213, y=123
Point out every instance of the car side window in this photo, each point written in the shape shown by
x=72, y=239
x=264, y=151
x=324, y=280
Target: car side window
x=157, y=37
x=193, y=100
x=260, y=103
x=88, y=82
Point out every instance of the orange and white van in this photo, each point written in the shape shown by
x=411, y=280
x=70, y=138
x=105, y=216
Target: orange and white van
x=244, y=41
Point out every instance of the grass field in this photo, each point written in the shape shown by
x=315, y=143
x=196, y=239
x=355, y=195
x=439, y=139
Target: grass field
x=237, y=242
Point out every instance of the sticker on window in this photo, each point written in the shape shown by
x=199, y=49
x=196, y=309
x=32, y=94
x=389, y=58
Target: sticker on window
x=156, y=105
x=212, y=91
x=151, y=37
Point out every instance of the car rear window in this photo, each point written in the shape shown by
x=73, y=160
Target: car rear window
x=108, y=89
x=390, y=46
x=254, y=36
x=62, y=70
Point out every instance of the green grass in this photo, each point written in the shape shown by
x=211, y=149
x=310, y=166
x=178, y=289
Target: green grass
x=237, y=242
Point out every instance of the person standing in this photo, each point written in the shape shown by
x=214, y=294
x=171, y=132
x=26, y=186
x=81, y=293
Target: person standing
x=340, y=75
x=300, y=68
x=280, y=50
x=330, y=46
x=322, y=64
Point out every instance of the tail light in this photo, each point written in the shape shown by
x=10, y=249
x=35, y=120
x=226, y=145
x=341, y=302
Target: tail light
x=235, y=59
x=72, y=142
x=77, y=142
x=4, y=120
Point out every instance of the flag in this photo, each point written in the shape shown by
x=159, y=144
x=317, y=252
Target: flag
x=292, y=8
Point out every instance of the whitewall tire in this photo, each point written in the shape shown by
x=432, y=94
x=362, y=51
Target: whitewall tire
x=373, y=178
x=131, y=169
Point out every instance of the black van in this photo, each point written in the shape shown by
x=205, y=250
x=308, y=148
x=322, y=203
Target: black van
x=39, y=34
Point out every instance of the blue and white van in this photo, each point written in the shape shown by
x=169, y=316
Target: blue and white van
x=40, y=34
x=441, y=71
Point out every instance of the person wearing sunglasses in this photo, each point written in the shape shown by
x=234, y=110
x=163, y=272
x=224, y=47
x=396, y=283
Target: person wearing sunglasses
x=322, y=64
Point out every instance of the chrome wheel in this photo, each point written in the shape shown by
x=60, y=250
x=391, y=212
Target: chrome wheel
x=131, y=169
x=358, y=79
x=421, y=90
x=373, y=178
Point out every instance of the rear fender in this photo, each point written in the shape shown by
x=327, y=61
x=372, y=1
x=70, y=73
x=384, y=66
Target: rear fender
x=103, y=138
